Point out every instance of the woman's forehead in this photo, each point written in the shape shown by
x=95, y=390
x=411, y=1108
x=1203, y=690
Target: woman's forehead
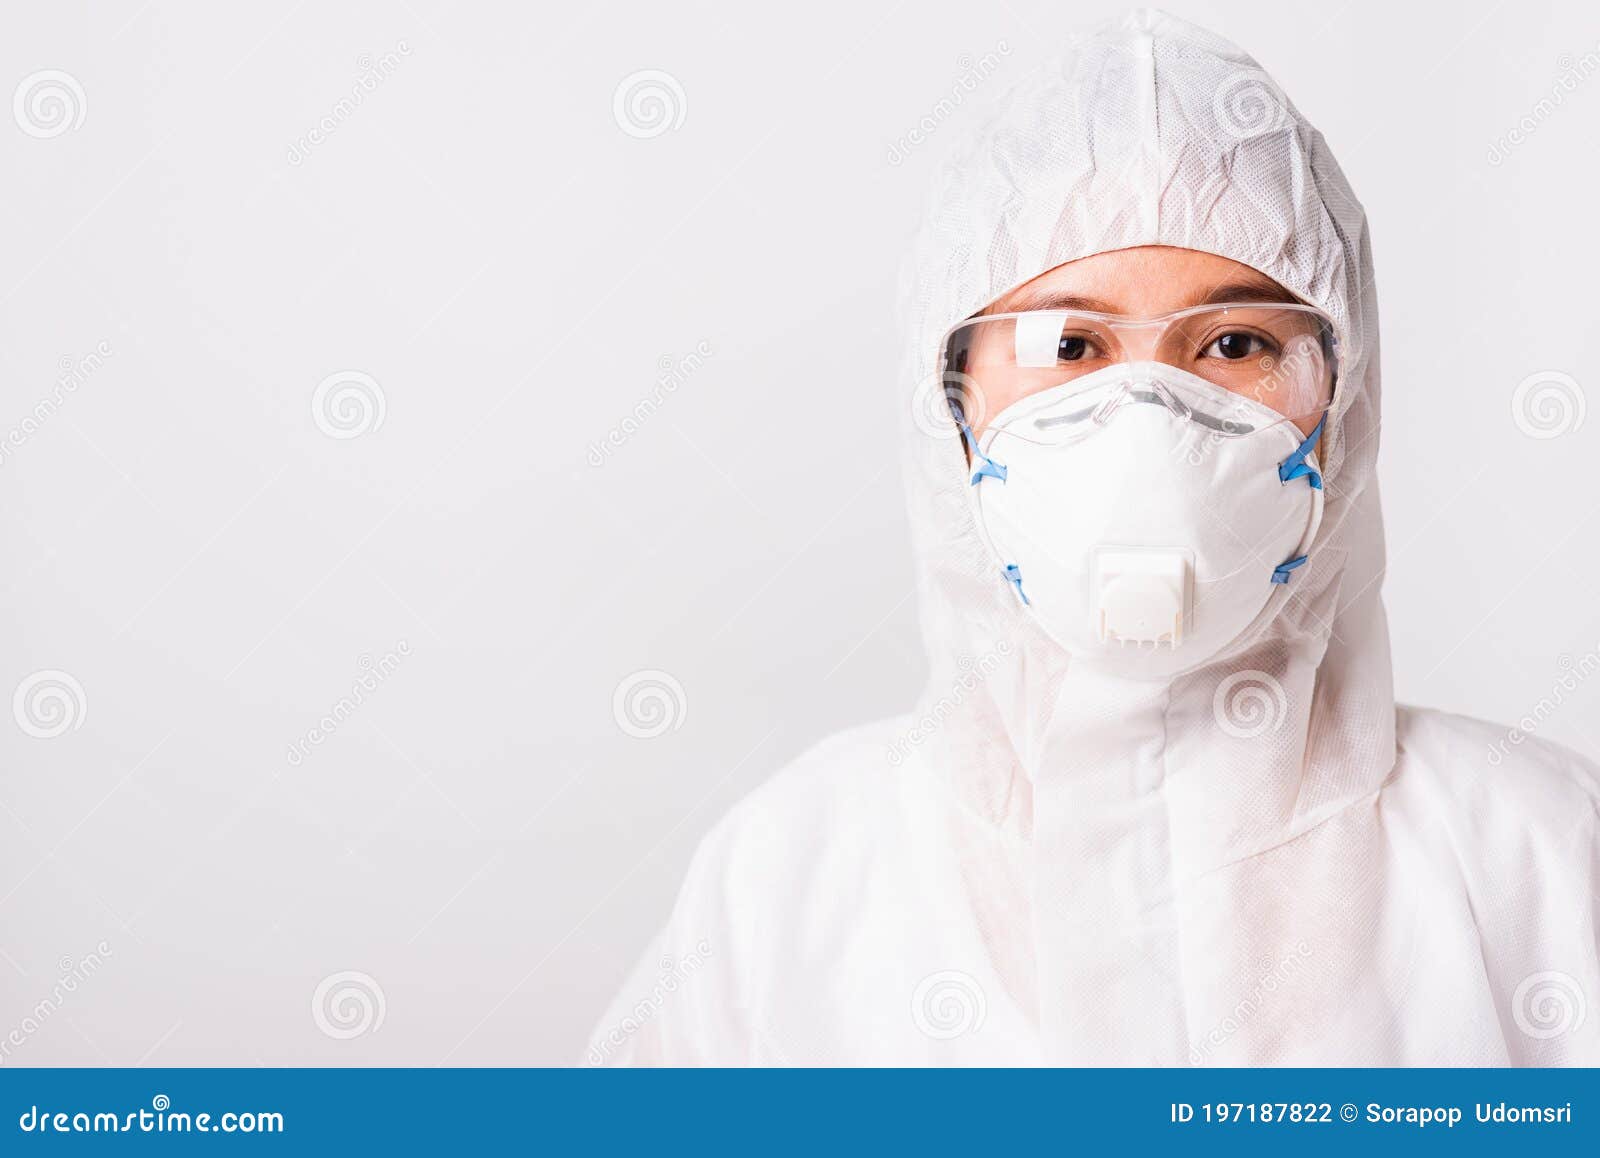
x=1142, y=282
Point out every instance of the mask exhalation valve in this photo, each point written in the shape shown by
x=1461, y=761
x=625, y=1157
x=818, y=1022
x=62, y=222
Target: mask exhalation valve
x=1142, y=595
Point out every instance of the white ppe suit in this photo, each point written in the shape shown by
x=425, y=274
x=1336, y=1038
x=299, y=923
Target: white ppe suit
x=1262, y=861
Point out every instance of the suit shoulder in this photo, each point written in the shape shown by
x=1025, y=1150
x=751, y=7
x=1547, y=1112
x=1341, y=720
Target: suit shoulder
x=830, y=796
x=1462, y=760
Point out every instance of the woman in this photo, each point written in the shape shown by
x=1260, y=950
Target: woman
x=1158, y=806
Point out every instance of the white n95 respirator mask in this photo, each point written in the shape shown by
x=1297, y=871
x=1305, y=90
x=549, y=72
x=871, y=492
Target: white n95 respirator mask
x=1147, y=518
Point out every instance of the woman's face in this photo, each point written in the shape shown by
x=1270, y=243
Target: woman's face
x=1146, y=282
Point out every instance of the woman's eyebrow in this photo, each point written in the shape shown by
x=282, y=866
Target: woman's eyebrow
x=1249, y=291
x=1265, y=292
x=1044, y=299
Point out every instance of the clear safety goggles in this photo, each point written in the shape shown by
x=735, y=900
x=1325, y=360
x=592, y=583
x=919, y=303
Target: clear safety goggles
x=1248, y=367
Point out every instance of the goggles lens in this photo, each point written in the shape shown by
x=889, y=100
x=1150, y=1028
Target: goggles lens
x=1282, y=357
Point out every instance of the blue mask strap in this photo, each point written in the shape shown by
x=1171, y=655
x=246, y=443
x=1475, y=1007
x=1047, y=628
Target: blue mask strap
x=1014, y=577
x=990, y=467
x=1295, y=465
x=1280, y=574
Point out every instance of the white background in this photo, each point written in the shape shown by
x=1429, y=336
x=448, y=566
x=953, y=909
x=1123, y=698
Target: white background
x=482, y=237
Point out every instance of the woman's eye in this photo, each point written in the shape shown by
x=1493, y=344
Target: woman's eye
x=1235, y=346
x=1072, y=349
